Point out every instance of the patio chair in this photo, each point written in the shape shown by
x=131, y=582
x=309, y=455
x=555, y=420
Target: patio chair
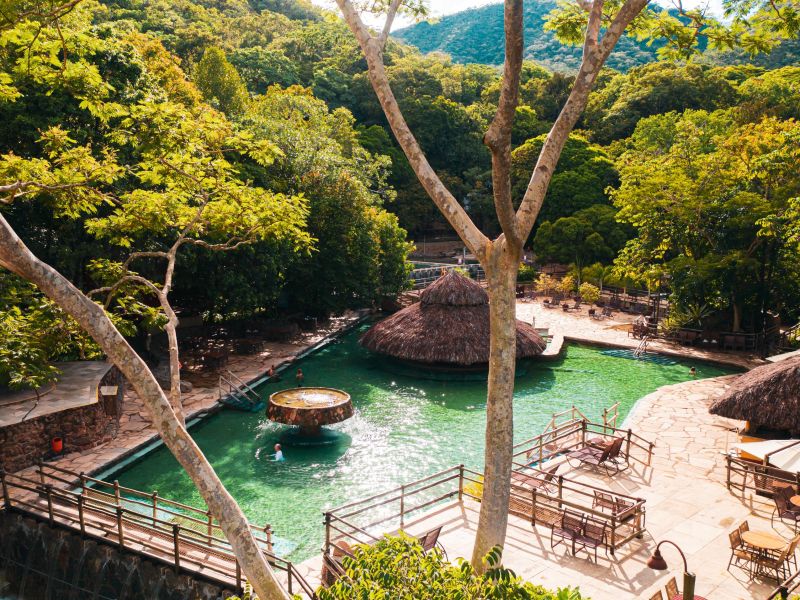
x=779, y=564
x=569, y=528
x=671, y=588
x=784, y=510
x=741, y=556
x=592, y=536
x=540, y=481
x=657, y=595
x=430, y=540
x=607, y=457
x=744, y=526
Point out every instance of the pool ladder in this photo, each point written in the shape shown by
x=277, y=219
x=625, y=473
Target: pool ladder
x=641, y=349
x=239, y=394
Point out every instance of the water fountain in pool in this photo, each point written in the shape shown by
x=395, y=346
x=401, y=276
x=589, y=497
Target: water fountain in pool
x=308, y=409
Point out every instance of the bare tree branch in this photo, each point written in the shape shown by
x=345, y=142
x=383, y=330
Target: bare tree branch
x=441, y=196
x=594, y=56
x=387, y=26
x=498, y=136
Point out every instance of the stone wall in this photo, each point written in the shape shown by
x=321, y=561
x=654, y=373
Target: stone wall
x=38, y=562
x=23, y=444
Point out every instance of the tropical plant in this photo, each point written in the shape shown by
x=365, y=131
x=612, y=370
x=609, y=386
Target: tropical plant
x=526, y=272
x=545, y=283
x=397, y=567
x=588, y=292
x=567, y=285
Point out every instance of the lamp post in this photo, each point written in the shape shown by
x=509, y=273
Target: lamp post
x=658, y=563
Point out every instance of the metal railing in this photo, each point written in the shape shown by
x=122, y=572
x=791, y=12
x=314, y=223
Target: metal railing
x=236, y=388
x=146, y=524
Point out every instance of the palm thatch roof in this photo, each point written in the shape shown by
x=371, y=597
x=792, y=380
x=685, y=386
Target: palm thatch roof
x=449, y=326
x=767, y=396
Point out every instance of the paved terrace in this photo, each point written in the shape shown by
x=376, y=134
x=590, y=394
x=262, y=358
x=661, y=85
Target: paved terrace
x=686, y=502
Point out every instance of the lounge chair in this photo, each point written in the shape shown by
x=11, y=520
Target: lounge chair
x=741, y=556
x=430, y=540
x=568, y=529
x=607, y=457
x=592, y=536
x=540, y=481
x=784, y=509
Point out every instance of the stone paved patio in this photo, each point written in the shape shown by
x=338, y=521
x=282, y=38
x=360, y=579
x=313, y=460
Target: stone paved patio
x=687, y=502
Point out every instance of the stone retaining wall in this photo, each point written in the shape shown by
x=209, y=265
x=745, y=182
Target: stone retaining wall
x=23, y=444
x=38, y=562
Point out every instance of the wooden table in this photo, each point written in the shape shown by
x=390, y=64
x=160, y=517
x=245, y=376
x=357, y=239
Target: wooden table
x=795, y=500
x=764, y=540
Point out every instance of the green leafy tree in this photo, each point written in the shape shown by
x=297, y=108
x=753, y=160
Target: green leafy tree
x=588, y=292
x=220, y=82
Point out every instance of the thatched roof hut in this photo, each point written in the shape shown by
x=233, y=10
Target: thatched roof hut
x=767, y=396
x=449, y=327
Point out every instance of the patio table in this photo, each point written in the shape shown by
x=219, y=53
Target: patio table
x=795, y=500
x=763, y=540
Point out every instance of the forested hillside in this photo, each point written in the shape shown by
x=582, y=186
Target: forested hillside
x=476, y=36
x=309, y=197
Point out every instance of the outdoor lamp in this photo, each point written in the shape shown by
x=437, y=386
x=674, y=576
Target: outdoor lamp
x=657, y=563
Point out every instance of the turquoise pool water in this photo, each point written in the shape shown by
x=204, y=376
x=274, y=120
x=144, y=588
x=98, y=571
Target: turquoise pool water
x=404, y=428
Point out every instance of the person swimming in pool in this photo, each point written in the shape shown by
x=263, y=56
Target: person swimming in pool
x=693, y=372
x=278, y=453
x=299, y=377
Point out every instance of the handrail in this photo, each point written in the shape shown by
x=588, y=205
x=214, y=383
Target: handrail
x=787, y=587
x=757, y=471
x=155, y=503
x=117, y=522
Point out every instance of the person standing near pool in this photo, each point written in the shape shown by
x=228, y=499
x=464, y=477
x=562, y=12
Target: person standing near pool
x=278, y=453
x=299, y=377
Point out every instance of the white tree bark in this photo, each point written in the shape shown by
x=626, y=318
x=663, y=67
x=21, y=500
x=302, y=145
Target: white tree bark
x=500, y=258
x=17, y=258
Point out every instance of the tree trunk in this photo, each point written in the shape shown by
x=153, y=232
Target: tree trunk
x=737, y=316
x=174, y=362
x=502, y=279
x=16, y=257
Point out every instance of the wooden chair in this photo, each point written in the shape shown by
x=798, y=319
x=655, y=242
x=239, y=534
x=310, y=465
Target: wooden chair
x=606, y=458
x=671, y=588
x=779, y=564
x=540, y=481
x=622, y=509
x=741, y=557
x=657, y=596
x=744, y=526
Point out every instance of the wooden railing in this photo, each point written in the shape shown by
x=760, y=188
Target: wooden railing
x=146, y=524
x=364, y=521
x=787, y=587
x=574, y=434
x=748, y=475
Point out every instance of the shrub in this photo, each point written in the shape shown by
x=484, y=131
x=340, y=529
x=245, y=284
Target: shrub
x=567, y=285
x=545, y=283
x=397, y=567
x=589, y=293
x=526, y=273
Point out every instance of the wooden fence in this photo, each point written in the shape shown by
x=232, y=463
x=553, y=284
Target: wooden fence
x=185, y=537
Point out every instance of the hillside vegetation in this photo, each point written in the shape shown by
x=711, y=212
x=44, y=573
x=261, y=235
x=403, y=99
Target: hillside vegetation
x=476, y=36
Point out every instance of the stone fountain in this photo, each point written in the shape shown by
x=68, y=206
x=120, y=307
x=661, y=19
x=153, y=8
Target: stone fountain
x=308, y=409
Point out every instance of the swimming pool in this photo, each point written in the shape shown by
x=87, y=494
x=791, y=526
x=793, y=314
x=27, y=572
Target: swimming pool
x=405, y=427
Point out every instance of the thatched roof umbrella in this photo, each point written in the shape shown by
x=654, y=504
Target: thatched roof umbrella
x=449, y=326
x=768, y=396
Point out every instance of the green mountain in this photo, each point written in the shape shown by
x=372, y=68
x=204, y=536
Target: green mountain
x=476, y=36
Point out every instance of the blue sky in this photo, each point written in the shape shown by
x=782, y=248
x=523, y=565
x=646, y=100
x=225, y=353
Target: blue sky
x=445, y=7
